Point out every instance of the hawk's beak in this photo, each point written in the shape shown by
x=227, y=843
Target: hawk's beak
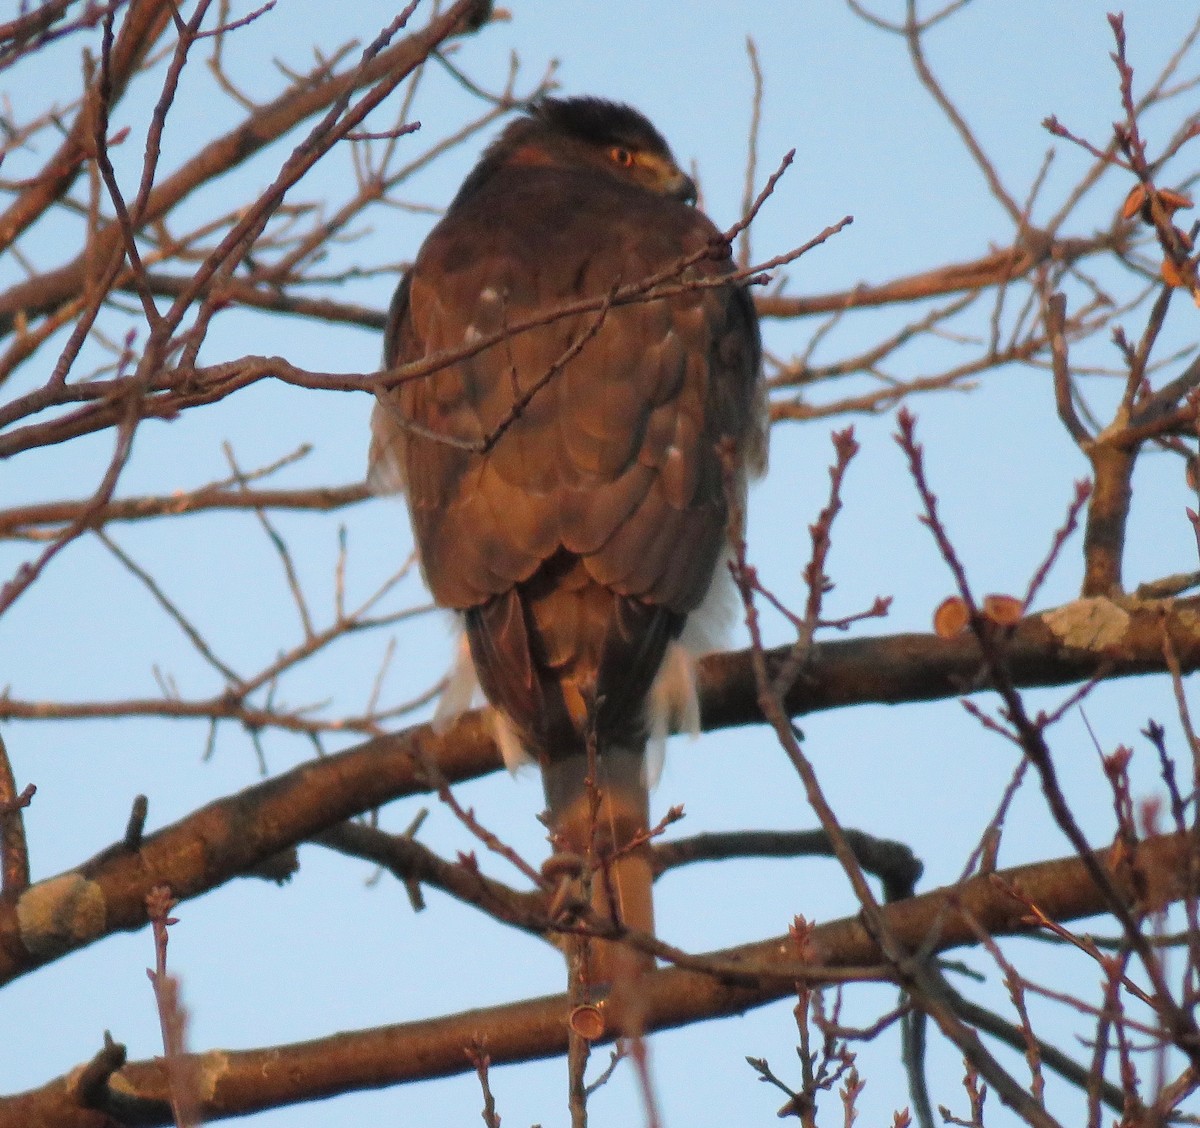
x=682, y=187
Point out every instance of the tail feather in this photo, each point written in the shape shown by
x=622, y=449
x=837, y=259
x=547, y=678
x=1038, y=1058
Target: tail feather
x=561, y=657
x=600, y=826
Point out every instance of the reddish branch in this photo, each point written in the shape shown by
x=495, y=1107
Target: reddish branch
x=1102, y=636
x=172, y=1017
x=14, y=850
x=989, y=270
x=164, y=394
x=908, y=963
x=1143, y=416
x=994, y=269
x=144, y=22
x=41, y=295
x=241, y=1082
x=1028, y=733
x=26, y=520
x=233, y=835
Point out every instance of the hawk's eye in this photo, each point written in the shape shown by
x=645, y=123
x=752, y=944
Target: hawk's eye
x=620, y=156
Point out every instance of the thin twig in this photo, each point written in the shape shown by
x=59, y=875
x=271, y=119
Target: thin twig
x=14, y=848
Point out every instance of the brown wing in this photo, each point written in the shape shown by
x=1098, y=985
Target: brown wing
x=615, y=459
x=578, y=542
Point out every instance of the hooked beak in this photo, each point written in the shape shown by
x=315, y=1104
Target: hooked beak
x=682, y=187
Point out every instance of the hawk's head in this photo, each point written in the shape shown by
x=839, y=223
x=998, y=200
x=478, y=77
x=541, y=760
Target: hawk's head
x=591, y=133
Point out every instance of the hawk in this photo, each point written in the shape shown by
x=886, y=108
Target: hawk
x=573, y=465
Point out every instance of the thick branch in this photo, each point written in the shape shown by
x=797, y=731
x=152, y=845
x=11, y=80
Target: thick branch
x=224, y=839
x=1090, y=638
x=1082, y=640
x=1108, y=515
x=241, y=1082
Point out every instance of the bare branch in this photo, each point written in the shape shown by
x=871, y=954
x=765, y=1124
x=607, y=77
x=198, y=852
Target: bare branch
x=244, y=1081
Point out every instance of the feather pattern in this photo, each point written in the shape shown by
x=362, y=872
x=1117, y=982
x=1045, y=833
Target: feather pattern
x=565, y=474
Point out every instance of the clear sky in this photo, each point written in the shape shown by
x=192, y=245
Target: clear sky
x=328, y=952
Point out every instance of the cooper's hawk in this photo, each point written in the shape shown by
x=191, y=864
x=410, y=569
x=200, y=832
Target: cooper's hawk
x=568, y=477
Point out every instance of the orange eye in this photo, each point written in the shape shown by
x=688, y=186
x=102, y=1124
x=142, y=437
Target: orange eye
x=620, y=156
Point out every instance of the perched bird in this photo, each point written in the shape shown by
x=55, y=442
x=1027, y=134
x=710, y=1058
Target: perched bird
x=571, y=479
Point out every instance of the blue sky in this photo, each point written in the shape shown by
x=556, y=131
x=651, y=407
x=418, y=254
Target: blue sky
x=328, y=952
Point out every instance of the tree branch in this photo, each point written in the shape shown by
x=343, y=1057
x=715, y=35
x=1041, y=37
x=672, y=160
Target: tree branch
x=1089, y=638
x=236, y=1083
x=42, y=294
